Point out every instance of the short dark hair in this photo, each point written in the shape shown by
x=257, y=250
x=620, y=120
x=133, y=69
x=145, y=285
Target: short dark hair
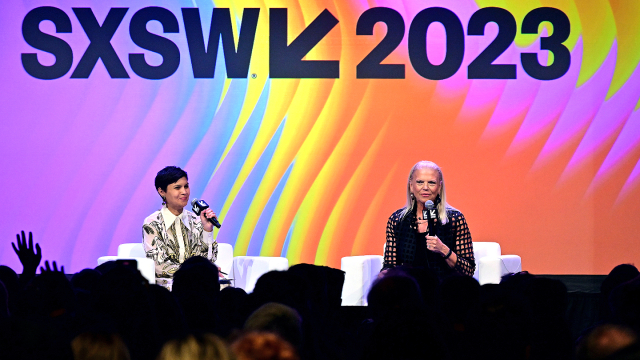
x=168, y=176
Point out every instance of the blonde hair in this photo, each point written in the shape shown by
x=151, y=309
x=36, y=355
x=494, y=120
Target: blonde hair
x=201, y=347
x=411, y=202
x=101, y=346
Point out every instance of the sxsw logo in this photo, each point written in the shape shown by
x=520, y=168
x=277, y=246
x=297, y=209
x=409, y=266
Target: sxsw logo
x=285, y=59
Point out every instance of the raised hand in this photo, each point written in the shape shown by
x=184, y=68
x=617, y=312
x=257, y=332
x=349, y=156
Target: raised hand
x=46, y=268
x=30, y=259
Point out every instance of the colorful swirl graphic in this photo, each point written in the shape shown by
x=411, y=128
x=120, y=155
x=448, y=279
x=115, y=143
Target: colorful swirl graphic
x=310, y=168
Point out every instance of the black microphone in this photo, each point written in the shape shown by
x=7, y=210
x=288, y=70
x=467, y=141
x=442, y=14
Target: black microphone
x=431, y=214
x=199, y=206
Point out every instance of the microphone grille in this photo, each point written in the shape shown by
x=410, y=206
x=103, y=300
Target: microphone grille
x=194, y=201
x=428, y=204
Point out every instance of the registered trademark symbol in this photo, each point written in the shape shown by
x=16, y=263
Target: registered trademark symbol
x=254, y=75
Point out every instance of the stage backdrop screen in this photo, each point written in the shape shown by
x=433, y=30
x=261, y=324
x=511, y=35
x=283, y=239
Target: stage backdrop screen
x=298, y=122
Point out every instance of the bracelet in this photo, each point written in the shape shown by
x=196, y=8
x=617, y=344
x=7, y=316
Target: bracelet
x=448, y=254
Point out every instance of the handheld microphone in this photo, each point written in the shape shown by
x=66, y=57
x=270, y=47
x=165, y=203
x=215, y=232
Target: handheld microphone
x=431, y=214
x=199, y=206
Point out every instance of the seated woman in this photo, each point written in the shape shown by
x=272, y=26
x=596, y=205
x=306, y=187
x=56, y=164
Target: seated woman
x=408, y=242
x=172, y=234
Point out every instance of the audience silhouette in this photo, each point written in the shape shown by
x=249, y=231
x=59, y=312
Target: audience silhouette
x=112, y=312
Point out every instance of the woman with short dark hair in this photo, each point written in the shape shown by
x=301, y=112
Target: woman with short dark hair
x=172, y=234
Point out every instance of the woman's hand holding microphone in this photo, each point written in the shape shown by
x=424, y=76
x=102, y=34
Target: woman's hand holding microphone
x=205, y=215
x=434, y=244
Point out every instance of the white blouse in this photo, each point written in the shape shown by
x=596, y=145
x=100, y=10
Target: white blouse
x=169, y=240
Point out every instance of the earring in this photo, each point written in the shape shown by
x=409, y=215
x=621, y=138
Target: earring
x=164, y=200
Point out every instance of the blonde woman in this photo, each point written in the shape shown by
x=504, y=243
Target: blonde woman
x=450, y=249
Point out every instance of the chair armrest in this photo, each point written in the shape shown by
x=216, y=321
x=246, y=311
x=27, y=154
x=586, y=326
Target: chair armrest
x=248, y=269
x=512, y=264
x=146, y=266
x=225, y=258
x=360, y=273
x=492, y=268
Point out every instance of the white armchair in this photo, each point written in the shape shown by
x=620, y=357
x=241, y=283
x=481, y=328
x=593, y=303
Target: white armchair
x=361, y=271
x=147, y=266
